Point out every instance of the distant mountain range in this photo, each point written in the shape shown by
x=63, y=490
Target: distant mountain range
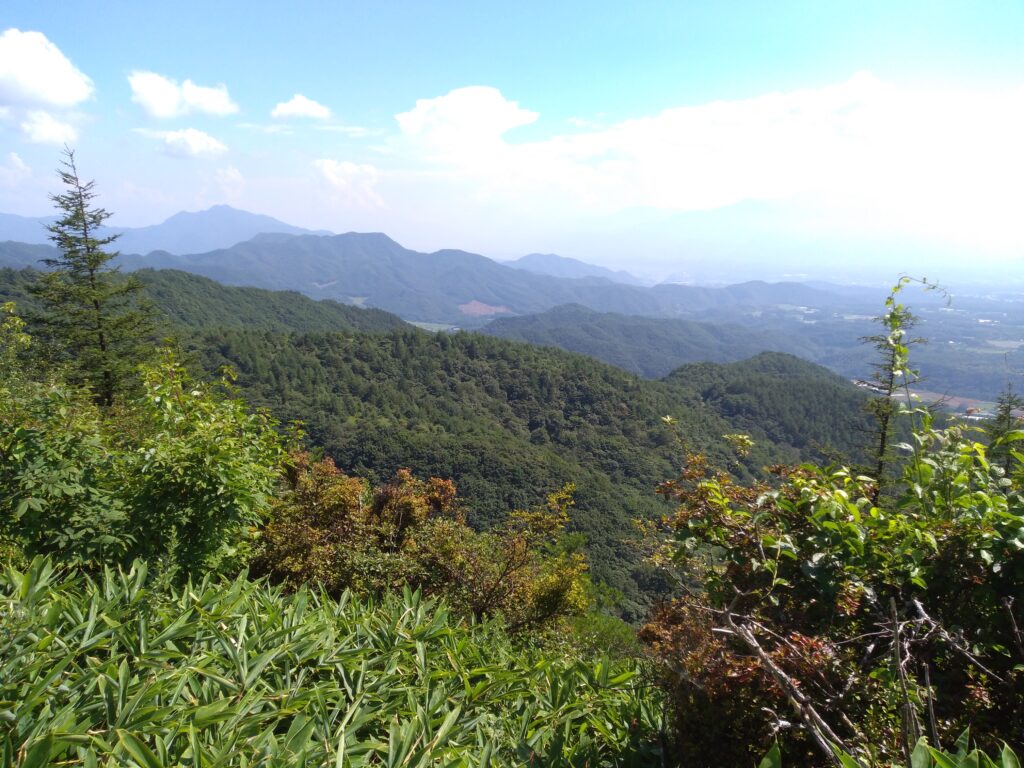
x=978, y=351
x=563, y=266
x=448, y=286
x=16, y=255
x=24, y=229
x=218, y=227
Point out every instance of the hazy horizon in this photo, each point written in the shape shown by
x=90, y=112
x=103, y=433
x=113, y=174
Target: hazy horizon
x=844, y=142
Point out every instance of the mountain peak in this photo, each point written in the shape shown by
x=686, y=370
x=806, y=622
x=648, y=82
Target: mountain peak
x=214, y=228
x=564, y=266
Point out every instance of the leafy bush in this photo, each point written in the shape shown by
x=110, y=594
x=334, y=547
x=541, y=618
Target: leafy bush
x=197, y=467
x=240, y=673
x=339, y=532
x=870, y=619
x=925, y=756
x=181, y=472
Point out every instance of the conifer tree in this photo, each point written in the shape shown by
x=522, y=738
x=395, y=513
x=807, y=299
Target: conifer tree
x=1004, y=422
x=95, y=320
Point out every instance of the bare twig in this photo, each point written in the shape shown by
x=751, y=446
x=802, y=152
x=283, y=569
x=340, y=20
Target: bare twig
x=954, y=643
x=1018, y=634
x=911, y=726
x=933, y=725
x=824, y=736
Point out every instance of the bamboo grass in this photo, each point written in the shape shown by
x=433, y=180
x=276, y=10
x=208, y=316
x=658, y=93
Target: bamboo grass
x=111, y=670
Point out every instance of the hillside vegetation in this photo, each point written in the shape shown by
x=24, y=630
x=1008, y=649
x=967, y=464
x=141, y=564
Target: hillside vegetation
x=237, y=673
x=648, y=347
x=187, y=300
x=510, y=422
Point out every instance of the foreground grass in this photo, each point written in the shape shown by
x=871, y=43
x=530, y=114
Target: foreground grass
x=111, y=671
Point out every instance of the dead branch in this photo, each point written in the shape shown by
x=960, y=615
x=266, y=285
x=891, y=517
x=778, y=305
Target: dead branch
x=953, y=642
x=824, y=736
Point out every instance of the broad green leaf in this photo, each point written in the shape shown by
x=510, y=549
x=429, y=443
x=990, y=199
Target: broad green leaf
x=773, y=759
x=137, y=748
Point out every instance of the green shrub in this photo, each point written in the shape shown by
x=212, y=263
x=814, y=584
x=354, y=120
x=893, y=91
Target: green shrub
x=926, y=756
x=182, y=472
x=870, y=618
x=340, y=533
x=111, y=671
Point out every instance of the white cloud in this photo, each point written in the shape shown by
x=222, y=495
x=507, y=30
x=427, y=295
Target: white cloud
x=300, y=106
x=156, y=94
x=466, y=122
x=14, y=171
x=355, y=183
x=43, y=128
x=188, y=142
x=33, y=71
x=163, y=97
x=208, y=100
x=873, y=155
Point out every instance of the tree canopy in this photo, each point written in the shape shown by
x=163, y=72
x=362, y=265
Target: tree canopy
x=93, y=321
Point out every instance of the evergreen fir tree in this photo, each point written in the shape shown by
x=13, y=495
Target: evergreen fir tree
x=1002, y=424
x=95, y=320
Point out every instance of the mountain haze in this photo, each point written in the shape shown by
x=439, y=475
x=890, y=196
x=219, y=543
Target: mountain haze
x=25, y=229
x=186, y=232
x=450, y=286
x=649, y=347
x=563, y=266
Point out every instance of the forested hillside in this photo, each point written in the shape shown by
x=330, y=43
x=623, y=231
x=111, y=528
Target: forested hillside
x=856, y=613
x=771, y=393
x=192, y=301
x=648, y=347
x=510, y=422
x=520, y=385
x=15, y=254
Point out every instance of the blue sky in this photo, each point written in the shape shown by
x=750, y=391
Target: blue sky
x=765, y=138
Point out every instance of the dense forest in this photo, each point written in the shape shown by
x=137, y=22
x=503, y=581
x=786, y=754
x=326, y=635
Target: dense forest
x=185, y=300
x=646, y=346
x=507, y=422
x=972, y=350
